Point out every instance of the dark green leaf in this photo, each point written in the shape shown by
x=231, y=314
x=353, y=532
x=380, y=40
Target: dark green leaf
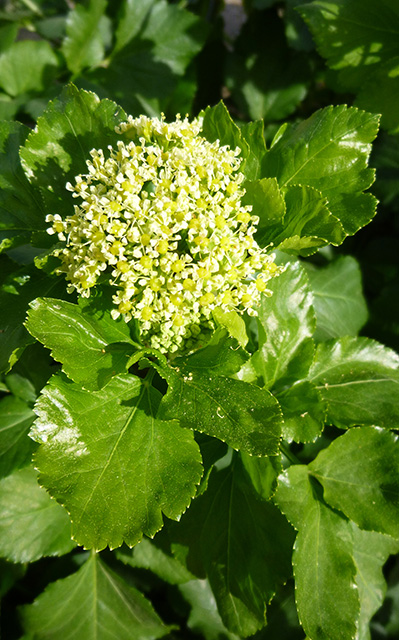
x=21, y=209
x=386, y=159
x=57, y=150
x=359, y=379
x=359, y=473
x=329, y=152
x=31, y=524
x=245, y=546
x=380, y=94
x=286, y=324
x=147, y=555
x=114, y=465
x=338, y=299
x=87, y=32
x=263, y=473
x=82, y=344
x=27, y=66
x=325, y=573
x=16, y=448
x=304, y=412
x=96, y=603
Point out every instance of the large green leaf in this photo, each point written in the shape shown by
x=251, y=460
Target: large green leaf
x=286, y=324
x=324, y=569
x=81, y=343
x=337, y=298
x=218, y=125
x=114, y=465
x=381, y=94
x=57, y=150
x=244, y=544
x=254, y=135
x=94, y=603
x=27, y=66
x=304, y=412
x=359, y=473
x=87, y=31
x=32, y=525
x=16, y=448
x=329, y=152
x=268, y=204
x=359, y=379
x=20, y=205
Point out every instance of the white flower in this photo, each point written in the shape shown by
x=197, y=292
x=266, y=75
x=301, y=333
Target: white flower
x=162, y=214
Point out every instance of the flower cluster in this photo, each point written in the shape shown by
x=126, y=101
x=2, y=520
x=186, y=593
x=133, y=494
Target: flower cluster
x=161, y=214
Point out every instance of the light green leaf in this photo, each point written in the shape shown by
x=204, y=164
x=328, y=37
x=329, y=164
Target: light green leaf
x=147, y=555
x=114, y=465
x=218, y=125
x=81, y=343
x=370, y=552
x=16, y=448
x=329, y=152
x=354, y=36
x=359, y=379
x=21, y=207
x=304, y=412
x=337, y=298
x=87, y=32
x=286, y=324
x=131, y=18
x=324, y=569
x=359, y=473
x=31, y=524
x=254, y=135
x=244, y=416
x=27, y=66
x=262, y=473
x=57, y=150
x=234, y=323
x=268, y=204
x=245, y=546
x=97, y=604
x=204, y=618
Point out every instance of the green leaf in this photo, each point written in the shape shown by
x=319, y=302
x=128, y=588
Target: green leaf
x=370, y=552
x=57, y=150
x=385, y=156
x=354, y=36
x=304, y=412
x=114, y=465
x=324, y=569
x=359, y=379
x=15, y=296
x=245, y=546
x=218, y=125
x=27, y=66
x=380, y=94
x=31, y=524
x=204, y=618
x=359, y=473
x=337, y=298
x=268, y=204
x=16, y=448
x=147, y=555
x=261, y=89
x=262, y=473
x=96, y=604
x=82, y=344
x=254, y=135
x=329, y=152
x=286, y=324
x=244, y=416
x=87, y=32
x=21, y=208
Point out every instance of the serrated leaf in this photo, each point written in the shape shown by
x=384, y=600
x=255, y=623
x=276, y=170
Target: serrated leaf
x=359, y=473
x=21, y=207
x=31, y=524
x=16, y=448
x=359, y=379
x=82, y=344
x=96, y=604
x=242, y=415
x=147, y=555
x=304, y=412
x=337, y=298
x=254, y=135
x=218, y=125
x=27, y=66
x=245, y=547
x=87, y=31
x=324, y=570
x=114, y=465
x=286, y=324
x=57, y=150
x=329, y=152
x=268, y=204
